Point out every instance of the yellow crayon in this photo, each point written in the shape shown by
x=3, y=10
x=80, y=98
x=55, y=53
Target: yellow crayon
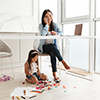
x=17, y=97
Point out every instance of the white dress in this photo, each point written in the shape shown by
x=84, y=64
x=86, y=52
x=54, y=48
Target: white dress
x=33, y=67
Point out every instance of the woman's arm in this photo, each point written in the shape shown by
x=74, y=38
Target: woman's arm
x=43, y=30
x=27, y=70
x=57, y=29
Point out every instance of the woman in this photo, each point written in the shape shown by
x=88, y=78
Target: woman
x=48, y=27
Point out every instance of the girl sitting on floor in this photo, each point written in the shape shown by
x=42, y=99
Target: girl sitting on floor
x=32, y=69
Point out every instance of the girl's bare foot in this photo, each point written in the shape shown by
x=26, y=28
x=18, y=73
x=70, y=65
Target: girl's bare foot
x=28, y=80
x=55, y=77
x=65, y=64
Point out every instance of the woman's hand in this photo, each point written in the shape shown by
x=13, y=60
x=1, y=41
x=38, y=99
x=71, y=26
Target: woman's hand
x=53, y=33
x=46, y=21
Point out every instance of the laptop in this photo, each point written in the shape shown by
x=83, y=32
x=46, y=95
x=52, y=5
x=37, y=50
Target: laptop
x=78, y=29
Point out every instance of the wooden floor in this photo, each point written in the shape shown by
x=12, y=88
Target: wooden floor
x=76, y=88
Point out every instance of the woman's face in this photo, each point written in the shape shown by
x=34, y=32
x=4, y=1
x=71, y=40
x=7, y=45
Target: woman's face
x=35, y=58
x=48, y=16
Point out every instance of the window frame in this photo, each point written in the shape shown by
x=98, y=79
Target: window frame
x=77, y=19
x=89, y=18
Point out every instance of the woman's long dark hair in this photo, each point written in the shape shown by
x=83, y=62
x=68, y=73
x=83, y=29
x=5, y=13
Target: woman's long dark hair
x=43, y=23
x=32, y=54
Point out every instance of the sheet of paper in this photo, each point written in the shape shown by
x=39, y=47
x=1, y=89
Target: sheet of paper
x=19, y=91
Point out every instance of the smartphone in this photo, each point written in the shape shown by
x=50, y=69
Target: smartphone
x=46, y=19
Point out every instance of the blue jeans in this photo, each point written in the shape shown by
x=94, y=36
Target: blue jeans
x=34, y=74
x=52, y=50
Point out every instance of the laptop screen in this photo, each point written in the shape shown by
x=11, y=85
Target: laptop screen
x=78, y=29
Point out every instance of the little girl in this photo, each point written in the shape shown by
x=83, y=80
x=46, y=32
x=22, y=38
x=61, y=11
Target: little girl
x=32, y=69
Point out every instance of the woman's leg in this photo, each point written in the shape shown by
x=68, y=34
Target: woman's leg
x=55, y=51
x=53, y=64
x=52, y=50
x=51, y=47
x=65, y=64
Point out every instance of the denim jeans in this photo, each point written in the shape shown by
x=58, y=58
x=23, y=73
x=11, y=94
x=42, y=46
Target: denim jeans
x=52, y=50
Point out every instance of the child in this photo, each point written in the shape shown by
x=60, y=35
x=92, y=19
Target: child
x=31, y=68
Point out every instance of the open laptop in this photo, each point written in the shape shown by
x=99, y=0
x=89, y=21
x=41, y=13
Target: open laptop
x=78, y=29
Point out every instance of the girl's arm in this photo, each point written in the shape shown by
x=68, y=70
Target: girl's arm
x=27, y=70
x=38, y=71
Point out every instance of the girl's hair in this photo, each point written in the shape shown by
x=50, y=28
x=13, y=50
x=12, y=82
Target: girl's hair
x=32, y=54
x=43, y=23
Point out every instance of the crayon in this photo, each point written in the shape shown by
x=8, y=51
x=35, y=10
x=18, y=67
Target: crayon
x=32, y=96
x=23, y=97
x=36, y=91
x=17, y=97
x=24, y=92
x=12, y=97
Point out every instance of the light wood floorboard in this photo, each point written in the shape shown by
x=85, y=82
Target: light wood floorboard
x=85, y=90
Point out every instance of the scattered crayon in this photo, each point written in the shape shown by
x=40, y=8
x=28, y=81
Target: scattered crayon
x=23, y=97
x=64, y=87
x=32, y=96
x=36, y=91
x=24, y=92
x=12, y=97
x=17, y=97
x=23, y=83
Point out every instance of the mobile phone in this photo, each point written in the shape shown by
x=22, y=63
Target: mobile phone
x=46, y=19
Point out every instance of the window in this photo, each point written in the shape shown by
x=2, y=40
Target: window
x=52, y=5
x=76, y=12
x=97, y=49
x=69, y=29
x=97, y=69
x=76, y=8
x=78, y=49
x=97, y=8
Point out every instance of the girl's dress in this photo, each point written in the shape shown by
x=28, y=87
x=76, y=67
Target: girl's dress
x=34, y=71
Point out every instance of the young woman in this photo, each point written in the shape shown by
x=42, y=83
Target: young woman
x=48, y=27
x=31, y=68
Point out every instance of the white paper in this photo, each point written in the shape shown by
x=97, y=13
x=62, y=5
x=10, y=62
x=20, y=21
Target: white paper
x=19, y=91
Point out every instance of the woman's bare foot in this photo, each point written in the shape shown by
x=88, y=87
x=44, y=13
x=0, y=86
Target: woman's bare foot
x=55, y=77
x=65, y=64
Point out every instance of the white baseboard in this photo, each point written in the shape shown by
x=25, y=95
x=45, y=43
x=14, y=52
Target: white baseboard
x=16, y=64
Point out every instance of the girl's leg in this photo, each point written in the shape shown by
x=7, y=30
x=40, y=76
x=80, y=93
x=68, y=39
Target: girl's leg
x=33, y=80
x=43, y=77
x=29, y=80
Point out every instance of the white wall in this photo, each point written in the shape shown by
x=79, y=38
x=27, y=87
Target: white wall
x=18, y=16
